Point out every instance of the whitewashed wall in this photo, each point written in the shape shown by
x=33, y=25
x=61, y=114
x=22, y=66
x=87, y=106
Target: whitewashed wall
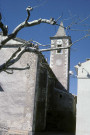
x=83, y=99
x=17, y=97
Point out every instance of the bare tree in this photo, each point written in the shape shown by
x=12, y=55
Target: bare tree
x=29, y=45
x=18, y=53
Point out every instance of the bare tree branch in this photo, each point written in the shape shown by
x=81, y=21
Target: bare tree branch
x=60, y=25
x=13, y=55
x=7, y=63
x=29, y=46
x=28, y=12
x=39, y=44
x=3, y=27
x=52, y=49
x=23, y=25
x=43, y=3
x=69, y=18
x=69, y=26
x=9, y=72
x=88, y=35
x=88, y=30
x=13, y=60
x=84, y=19
x=26, y=24
x=59, y=18
x=15, y=68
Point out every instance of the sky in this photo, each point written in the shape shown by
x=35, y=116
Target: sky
x=71, y=11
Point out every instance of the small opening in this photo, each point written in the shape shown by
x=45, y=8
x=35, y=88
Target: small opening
x=49, y=114
x=60, y=96
x=59, y=50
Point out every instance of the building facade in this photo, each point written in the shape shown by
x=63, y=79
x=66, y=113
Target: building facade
x=34, y=100
x=83, y=98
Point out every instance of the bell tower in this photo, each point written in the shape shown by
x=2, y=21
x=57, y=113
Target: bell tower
x=60, y=59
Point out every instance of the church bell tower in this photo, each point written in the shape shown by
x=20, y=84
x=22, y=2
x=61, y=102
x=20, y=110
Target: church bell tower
x=60, y=59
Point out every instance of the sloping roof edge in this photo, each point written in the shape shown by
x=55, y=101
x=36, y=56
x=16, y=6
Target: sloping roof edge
x=16, y=39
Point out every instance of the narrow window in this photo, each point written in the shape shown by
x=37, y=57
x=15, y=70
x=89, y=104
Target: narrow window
x=59, y=50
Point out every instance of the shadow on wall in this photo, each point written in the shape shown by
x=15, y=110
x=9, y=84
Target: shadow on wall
x=61, y=110
x=1, y=89
x=50, y=133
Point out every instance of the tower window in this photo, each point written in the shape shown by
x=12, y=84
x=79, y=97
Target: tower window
x=59, y=50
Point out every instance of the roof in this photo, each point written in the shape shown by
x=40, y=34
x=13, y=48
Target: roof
x=61, y=30
x=15, y=39
x=83, y=64
x=16, y=42
x=83, y=69
x=61, y=34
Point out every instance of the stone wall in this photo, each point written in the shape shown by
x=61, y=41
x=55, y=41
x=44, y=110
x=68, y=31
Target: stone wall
x=61, y=109
x=33, y=100
x=40, y=100
x=17, y=94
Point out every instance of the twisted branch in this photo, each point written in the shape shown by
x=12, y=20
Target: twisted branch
x=3, y=27
x=13, y=59
x=52, y=49
x=26, y=24
x=28, y=9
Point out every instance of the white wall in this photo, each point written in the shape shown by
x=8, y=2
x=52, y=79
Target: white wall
x=83, y=99
x=17, y=97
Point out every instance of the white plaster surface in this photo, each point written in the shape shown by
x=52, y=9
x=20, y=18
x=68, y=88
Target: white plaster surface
x=83, y=99
x=17, y=97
